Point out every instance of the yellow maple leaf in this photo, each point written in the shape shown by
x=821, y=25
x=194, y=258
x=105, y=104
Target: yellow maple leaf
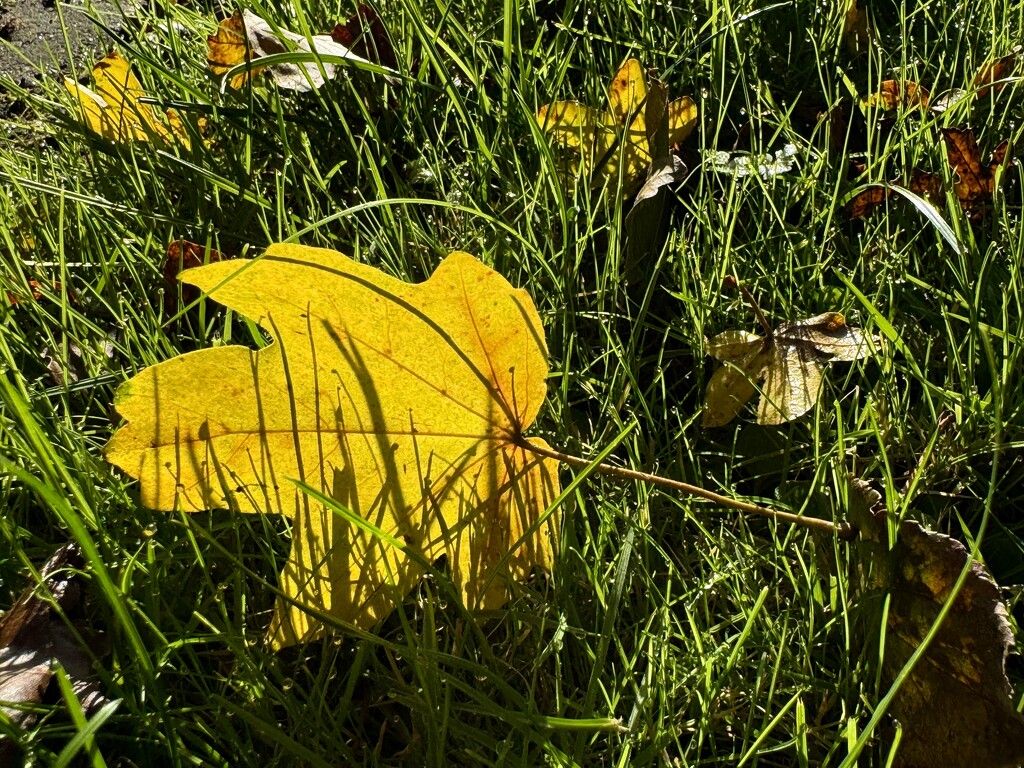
x=114, y=111
x=603, y=141
x=789, y=362
x=403, y=403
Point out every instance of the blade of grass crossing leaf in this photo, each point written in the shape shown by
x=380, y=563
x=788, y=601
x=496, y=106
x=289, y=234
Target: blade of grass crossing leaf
x=933, y=216
x=84, y=738
x=578, y=479
x=79, y=526
x=883, y=705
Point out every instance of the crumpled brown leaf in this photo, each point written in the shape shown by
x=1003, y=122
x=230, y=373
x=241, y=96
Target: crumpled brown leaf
x=33, y=638
x=956, y=707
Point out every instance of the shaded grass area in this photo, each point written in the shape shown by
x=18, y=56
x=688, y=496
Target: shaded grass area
x=670, y=633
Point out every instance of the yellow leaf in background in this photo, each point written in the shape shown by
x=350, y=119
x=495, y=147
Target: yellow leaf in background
x=789, y=365
x=229, y=48
x=114, y=111
x=601, y=142
x=405, y=404
x=856, y=32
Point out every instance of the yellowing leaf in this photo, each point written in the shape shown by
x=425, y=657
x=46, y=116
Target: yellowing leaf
x=856, y=32
x=229, y=48
x=788, y=363
x=114, y=111
x=603, y=142
x=405, y=404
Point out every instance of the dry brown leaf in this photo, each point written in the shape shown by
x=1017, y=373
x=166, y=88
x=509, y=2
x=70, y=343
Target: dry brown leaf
x=975, y=182
x=956, y=707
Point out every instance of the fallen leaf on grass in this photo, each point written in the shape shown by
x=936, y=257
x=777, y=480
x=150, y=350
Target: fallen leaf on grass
x=247, y=37
x=856, y=32
x=646, y=221
x=182, y=255
x=956, y=707
x=993, y=74
x=975, y=182
x=405, y=404
x=33, y=639
x=115, y=112
x=602, y=143
x=36, y=292
x=897, y=94
x=365, y=35
x=789, y=362
x=228, y=48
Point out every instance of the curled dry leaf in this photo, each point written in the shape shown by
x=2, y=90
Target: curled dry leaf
x=974, y=181
x=603, y=143
x=33, y=638
x=956, y=707
x=788, y=364
x=182, y=255
x=114, y=110
x=404, y=404
x=246, y=36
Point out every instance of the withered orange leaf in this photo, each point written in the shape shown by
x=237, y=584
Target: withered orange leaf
x=35, y=289
x=182, y=255
x=365, y=35
x=867, y=200
x=897, y=94
x=975, y=181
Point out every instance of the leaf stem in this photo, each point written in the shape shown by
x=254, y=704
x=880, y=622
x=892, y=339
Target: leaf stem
x=842, y=530
x=753, y=305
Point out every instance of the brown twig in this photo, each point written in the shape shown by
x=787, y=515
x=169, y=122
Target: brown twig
x=842, y=530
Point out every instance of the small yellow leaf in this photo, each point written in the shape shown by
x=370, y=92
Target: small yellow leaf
x=405, y=404
x=788, y=364
x=228, y=48
x=602, y=142
x=114, y=110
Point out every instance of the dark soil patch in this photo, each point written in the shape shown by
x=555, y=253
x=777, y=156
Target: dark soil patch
x=32, y=39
